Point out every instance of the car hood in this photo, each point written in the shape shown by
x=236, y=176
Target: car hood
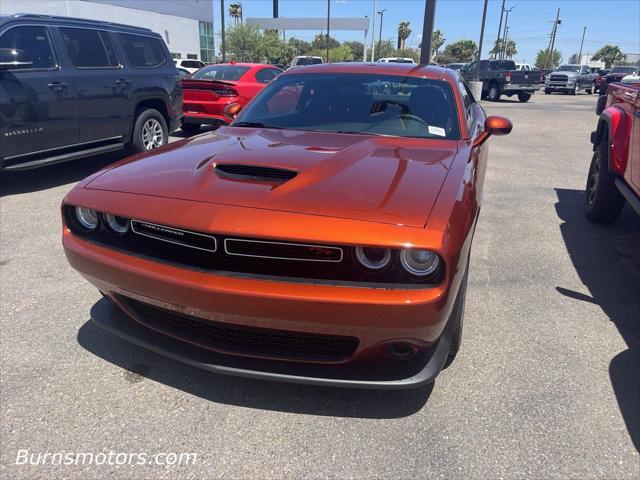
x=380, y=179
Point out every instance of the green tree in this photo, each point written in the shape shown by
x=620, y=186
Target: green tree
x=235, y=11
x=386, y=48
x=337, y=54
x=320, y=41
x=437, y=40
x=300, y=46
x=573, y=59
x=404, y=30
x=499, y=47
x=250, y=44
x=546, y=60
x=408, y=53
x=610, y=55
x=461, y=51
x=357, y=49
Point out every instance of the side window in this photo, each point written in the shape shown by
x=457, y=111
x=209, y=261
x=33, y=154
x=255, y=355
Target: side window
x=494, y=65
x=90, y=48
x=143, y=52
x=266, y=75
x=30, y=47
x=468, y=102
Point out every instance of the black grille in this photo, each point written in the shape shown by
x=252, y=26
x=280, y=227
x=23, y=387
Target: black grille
x=558, y=78
x=255, y=172
x=277, y=344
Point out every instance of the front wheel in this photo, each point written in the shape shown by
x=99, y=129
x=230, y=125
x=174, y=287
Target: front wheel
x=150, y=131
x=494, y=93
x=604, y=202
x=574, y=90
x=547, y=91
x=524, y=96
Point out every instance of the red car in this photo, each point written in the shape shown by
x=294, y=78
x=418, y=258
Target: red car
x=324, y=237
x=614, y=175
x=212, y=93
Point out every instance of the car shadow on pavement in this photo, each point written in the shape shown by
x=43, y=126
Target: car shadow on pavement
x=607, y=259
x=140, y=364
x=17, y=182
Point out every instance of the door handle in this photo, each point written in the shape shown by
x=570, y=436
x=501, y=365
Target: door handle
x=122, y=81
x=57, y=86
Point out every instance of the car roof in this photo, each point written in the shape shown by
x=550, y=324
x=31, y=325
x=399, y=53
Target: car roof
x=402, y=69
x=74, y=21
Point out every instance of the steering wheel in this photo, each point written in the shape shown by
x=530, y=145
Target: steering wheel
x=408, y=117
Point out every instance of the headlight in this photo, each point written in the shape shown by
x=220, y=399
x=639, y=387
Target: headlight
x=373, y=258
x=117, y=224
x=572, y=80
x=87, y=217
x=419, y=262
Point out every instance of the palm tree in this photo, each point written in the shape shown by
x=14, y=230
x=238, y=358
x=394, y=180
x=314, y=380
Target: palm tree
x=235, y=10
x=610, y=55
x=403, y=33
x=437, y=40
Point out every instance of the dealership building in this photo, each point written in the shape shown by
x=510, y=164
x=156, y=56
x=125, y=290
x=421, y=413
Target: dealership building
x=185, y=25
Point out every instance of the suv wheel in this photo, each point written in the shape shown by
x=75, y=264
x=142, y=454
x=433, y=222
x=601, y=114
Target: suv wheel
x=524, y=96
x=604, y=202
x=150, y=131
x=494, y=93
x=574, y=90
x=547, y=91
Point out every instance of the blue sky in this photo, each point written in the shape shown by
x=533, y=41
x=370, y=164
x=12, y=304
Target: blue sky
x=607, y=21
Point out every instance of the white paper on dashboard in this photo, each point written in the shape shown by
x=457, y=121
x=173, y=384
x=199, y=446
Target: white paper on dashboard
x=437, y=131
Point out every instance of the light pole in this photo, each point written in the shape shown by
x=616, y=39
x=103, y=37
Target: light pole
x=373, y=33
x=484, y=17
x=500, y=26
x=222, y=43
x=328, y=25
x=427, y=31
x=381, y=13
x=506, y=26
x=584, y=30
x=364, y=45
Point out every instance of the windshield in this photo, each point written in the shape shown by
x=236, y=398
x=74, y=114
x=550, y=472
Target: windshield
x=623, y=69
x=220, y=72
x=356, y=103
x=568, y=68
x=308, y=61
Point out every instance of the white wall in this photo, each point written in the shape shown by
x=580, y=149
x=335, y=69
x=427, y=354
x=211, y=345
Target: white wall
x=184, y=36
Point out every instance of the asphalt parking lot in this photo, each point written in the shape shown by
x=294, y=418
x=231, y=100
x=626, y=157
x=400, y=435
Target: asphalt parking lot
x=546, y=384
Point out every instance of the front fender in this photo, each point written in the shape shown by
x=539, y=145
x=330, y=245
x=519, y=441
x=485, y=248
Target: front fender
x=615, y=129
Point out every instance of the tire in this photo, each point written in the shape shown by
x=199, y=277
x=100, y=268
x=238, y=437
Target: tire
x=149, y=131
x=494, y=92
x=190, y=127
x=457, y=316
x=574, y=90
x=591, y=90
x=547, y=91
x=603, y=202
x=524, y=96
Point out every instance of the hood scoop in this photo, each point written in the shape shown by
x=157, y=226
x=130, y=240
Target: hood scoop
x=256, y=173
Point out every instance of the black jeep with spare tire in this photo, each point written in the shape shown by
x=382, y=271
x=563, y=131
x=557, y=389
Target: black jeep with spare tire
x=71, y=88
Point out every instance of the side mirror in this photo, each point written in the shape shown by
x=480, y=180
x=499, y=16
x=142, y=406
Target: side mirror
x=602, y=102
x=493, y=125
x=11, y=58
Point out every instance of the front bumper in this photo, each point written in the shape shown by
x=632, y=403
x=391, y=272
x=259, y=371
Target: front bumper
x=377, y=317
x=414, y=373
x=559, y=86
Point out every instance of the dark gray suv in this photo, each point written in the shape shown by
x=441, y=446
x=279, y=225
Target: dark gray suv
x=71, y=88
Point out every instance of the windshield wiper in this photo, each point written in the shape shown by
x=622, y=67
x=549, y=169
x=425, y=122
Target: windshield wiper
x=255, y=125
x=354, y=132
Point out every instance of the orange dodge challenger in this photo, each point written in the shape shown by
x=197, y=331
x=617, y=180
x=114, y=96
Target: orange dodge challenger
x=322, y=238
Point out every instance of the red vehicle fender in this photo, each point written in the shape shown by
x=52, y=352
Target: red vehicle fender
x=614, y=123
